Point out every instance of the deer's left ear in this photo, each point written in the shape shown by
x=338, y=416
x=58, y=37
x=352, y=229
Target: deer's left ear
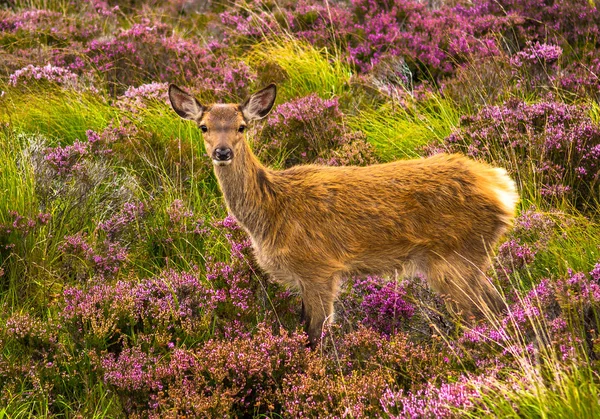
x=185, y=104
x=260, y=103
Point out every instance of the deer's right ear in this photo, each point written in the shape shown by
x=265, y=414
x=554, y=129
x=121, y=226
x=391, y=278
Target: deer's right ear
x=185, y=104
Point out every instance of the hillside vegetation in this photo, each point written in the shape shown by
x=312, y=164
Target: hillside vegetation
x=126, y=290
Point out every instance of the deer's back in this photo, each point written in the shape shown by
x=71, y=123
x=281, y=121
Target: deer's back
x=363, y=217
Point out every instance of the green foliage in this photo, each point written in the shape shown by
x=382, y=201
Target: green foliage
x=571, y=392
x=402, y=131
x=575, y=245
x=17, y=184
x=55, y=5
x=62, y=115
x=301, y=68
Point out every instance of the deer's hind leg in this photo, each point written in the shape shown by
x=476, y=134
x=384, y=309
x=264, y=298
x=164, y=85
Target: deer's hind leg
x=468, y=289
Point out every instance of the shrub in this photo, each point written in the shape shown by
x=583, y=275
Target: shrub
x=564, y=23
x=52, y=74
x=309, y=129
x=378, y=304
x=135, y=99
x=535, y=66
x=237, y=376
x=427, y=39
x=581, y=77
x=549, y=144
x=35, y=27
x=433, y=401
x=371, y=30
x=39, y=36
x=555, y=319
x=148, y=52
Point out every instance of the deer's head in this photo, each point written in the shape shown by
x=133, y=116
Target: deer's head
x=222, y=125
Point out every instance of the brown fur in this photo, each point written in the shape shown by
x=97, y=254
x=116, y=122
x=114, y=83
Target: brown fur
x=310, y=225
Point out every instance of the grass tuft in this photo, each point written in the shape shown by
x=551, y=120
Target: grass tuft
x=305, y=68
x=62, y=115
x=403, y=131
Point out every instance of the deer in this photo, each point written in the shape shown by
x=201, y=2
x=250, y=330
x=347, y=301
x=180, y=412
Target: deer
x=311, y=225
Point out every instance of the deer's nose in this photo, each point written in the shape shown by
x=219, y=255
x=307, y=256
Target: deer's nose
x=223, y=154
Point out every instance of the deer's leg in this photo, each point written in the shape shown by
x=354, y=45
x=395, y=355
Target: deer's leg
x=487, y=300
x=469, y=290
x=319, y=309
x=317, y=302
x=292, y=281
x=302, y=313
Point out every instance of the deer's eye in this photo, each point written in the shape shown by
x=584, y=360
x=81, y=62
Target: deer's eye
x=242, y=128
x=204, y=128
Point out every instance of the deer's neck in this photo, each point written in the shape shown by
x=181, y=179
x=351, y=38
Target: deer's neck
x=247, y=190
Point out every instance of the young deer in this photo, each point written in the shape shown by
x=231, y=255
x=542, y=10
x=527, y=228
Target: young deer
x=310, y=225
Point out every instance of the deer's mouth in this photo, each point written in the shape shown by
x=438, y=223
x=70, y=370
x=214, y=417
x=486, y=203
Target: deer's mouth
x=221, y=162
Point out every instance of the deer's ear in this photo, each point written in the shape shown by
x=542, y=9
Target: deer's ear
x=185, y=104
x=260, y=103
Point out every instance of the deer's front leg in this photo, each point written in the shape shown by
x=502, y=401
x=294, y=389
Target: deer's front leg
x=302, y=313
x=317, y=306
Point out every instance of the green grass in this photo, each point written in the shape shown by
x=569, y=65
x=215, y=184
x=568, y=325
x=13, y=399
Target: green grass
x=575, y=245
x=17, y=194
x=306, y=69
x=172, y=160
x=561, y=391
x=61, y=115
x=17, y=183
x=545, y=385
x=161, y=162
x=55, y=5
x=98, y=403
x=400, y=132
x=594, y=112
x=160, y=119
x=35, y=408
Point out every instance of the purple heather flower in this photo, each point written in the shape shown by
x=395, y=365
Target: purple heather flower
x=537, y=53
x=595, y=273
x=432, y=401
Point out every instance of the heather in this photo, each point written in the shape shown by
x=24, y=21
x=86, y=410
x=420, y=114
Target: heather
x=126, y=290
x=559, y=143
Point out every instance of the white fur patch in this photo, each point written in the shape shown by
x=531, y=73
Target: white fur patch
x=221, y=162
x=506, y=191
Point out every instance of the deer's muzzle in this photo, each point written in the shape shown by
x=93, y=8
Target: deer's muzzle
x=222, y=156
